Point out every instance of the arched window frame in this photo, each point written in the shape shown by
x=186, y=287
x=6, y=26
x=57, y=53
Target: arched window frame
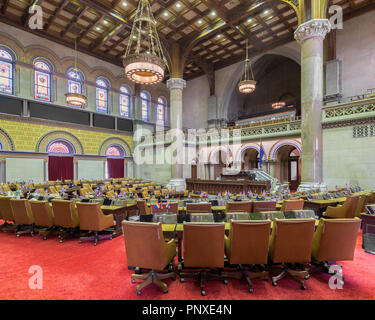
x=102, y=88
x=67, y=144
x=7, y=70
x=125, y=101
x=122, y=152
x=78, y=80
x=145, y=105
x=41, y=91
x=161, y=106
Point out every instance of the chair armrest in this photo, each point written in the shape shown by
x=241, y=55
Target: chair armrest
x=171, y=248
x=334, y=212
x=108, y=220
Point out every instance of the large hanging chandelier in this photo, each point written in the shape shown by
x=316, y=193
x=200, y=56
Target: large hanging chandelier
x=247, y=85
x=278, y=105
x=75, y=98
x=144, y=60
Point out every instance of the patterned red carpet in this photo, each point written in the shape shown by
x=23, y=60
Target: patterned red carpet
x=82, y=271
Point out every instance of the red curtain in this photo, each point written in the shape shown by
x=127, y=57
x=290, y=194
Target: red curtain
x=115, y=168
x=60, y=168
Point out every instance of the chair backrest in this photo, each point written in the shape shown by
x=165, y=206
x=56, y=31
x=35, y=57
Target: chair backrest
x=42, y=213
x=289, y=205
x=65, y=214
x=259, y=206
x=90, y=216
x=22, y=211
x=361, y=205
x=249, y=241
x=203, y=245
x=335, y=239
x=6, y=209
x=239, y=206
x=144, y=245
x=173, y=208
x=351, y=205
x=291, y=240
x=142, y=207
x=202, y=207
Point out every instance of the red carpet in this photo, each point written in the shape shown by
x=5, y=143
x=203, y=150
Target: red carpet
x=82, y=271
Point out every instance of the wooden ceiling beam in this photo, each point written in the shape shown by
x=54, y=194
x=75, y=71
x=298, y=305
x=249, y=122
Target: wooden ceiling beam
x=56, y=13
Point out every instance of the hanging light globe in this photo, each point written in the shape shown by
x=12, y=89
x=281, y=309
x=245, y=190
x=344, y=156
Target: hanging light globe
x=144, y=60
x=247, y=85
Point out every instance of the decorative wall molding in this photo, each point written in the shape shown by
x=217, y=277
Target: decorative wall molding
x=114, y=141
x=56, y=135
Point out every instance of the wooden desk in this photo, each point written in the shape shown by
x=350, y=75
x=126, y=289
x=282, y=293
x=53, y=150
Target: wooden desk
x=319, y=206
x=120, y=213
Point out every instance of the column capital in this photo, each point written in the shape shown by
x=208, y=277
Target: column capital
x=176, y=83
x=312, y=29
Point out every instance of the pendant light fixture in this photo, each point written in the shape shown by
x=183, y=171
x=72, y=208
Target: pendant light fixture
x=75, y=98
x=247, y=85
x=144, y=60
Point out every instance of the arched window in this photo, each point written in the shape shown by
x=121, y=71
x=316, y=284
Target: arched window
x=125, y=101
x=59, y=147
x=6, y=71
x=145, y=99
x=102, y=90
x=75, y=81
x=160, y=110
x=115, y=151
x=42, y=80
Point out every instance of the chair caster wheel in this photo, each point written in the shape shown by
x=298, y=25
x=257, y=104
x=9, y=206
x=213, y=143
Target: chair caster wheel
x=251, y=290
x=307, y=277
x=165, y=291
x=138, y=293
x=182, y=280
x=61, y=241
x=265, y=278
x=274, y=283
x=303, y=287
x=133, y=281
x=225, y=281
x=203, y=293
x=95, y=243
x=44, y=238
x=32, y=234
x=17, y=235
x=170, y=268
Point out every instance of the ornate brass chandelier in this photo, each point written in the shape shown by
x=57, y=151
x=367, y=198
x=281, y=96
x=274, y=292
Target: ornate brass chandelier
x=247, y=85
x=144, y=60
x=76, y=98
x=278, y=105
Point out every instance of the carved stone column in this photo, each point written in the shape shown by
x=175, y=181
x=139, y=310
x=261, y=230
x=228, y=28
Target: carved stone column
x=310, y=36
x=176, y=86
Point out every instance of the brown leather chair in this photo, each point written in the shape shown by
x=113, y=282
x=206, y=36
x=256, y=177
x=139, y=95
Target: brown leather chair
x=347, y=210
x=6, y=214
x=361, y=205
x=201, y=207
x=248, y=244
x=203, y=247
x=92, y=219
x=66, y=218
x=143, y=208
x=23, y=216
x=146, y=248
x=289, y=205
x=173, y=208
x=334, y=240
x=239, y=206
x=291, y=243
x=259, y=206
x=43, y=216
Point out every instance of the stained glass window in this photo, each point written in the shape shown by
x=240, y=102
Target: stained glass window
x=124, y=101
x=145, y=98
x=102, y=95
x=42, y=80
x=114, y=151
x=160, y=110
x=6, y=72
x=75, y=81
x=59, y=147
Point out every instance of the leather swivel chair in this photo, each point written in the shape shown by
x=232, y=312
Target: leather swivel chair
x=66, y=218
x=291, y=243
x=289, y=205
x=347, y=210
x=203, y=248
x=239, y=206
x=334, y=240
x=259, y=206
x=23, y=216
x=248, y=244
x=43, y=217
x=7, y=214
x=143, y=208
x=146, y=248
x=202, y=207
x=92, y=219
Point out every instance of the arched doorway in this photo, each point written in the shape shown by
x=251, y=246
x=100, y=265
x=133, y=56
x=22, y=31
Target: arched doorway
x=249, y=159
x=218, y=162
x=288, y=166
